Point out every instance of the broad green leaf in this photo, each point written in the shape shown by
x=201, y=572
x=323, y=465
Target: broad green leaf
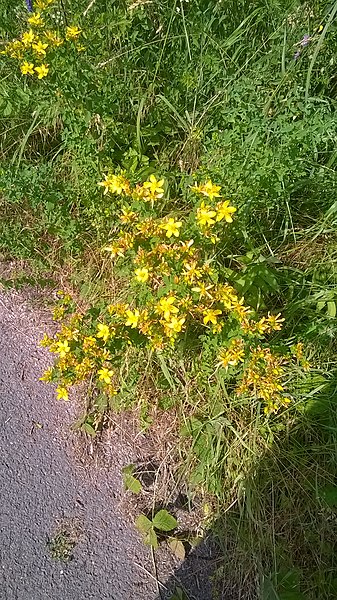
x=143, y=524
x=89, y=429
x=164, y=521
x=131, y=483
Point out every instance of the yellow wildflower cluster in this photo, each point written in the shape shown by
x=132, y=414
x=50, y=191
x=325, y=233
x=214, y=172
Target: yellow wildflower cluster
x=38, y=42
x=175, y=290
x=262, y=378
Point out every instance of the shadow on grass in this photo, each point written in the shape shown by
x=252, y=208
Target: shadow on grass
x=279, y=539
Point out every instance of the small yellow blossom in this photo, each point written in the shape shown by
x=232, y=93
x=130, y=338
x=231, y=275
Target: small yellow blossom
x=36, y=20
x=274, y=322
x=171, y=227
x=210, y=315
x=42, y=71
x=62, y=348
x=234, y=354
x=42, y=4
x=47, y=375
x=103, y=331
x=27, y=68
x=115, y=184
x=132, y=318
x=154, y=187
x=166, y=307
x=225, y=211
x=142, y=274
x=73, y=32
x=127, y=216
x=28, y=37
x=62, y=393
x=40, y=48
x=53, y=38
x=105, y=375
x=205, y=215
x=203, y=290
x=174, y=325
x=207, y=189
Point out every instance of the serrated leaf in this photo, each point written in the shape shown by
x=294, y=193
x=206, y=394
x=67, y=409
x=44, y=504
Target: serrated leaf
x=143, y=524
x=88, y=429
x=164, y=521
x=177, y=548
x=131, y=483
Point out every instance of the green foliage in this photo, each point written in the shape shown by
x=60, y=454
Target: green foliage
x=162, y=522
x=232, y=92
x=130, y=482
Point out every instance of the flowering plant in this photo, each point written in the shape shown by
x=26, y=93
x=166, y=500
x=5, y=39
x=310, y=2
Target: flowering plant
x=40, y=40
x=175, y=296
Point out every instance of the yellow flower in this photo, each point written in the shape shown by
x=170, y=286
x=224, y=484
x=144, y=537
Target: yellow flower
x=174, y=325
x=62, y=393
x=62, y=348
x=205, y=215
x=234, y=354
x=208, y=189
x=53, y=38
x=36, y=20
x=73, y=32
x=42, y=4
x=103, y=331
x=132, y=318
x=47, y=375
x=202, y=290
x=166, y=307
x=40, y=48
x=154, y=187
x=274, y=322
x=171, y=227
x=27, y=68
x=142, y=274
x=225, y=211
x=42, y=71
x=210, y=315
x=28, y=37
x=127, y=215
x=115, y=184
x=105, y=375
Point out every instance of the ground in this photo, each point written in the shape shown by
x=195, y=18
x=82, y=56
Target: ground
x=64, y=531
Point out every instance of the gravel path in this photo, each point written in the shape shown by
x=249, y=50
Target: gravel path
x=43, y=487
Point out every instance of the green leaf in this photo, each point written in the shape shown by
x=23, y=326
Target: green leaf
x=151, y=539
x=164, y=521
x=331, y=307
x=88, y=429
x=143, y=524
x=131, y=483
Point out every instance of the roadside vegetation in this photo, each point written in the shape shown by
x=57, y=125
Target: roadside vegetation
x=170, y=167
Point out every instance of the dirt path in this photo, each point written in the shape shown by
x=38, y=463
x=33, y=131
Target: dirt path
x=43, y=488
x=46, y=489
